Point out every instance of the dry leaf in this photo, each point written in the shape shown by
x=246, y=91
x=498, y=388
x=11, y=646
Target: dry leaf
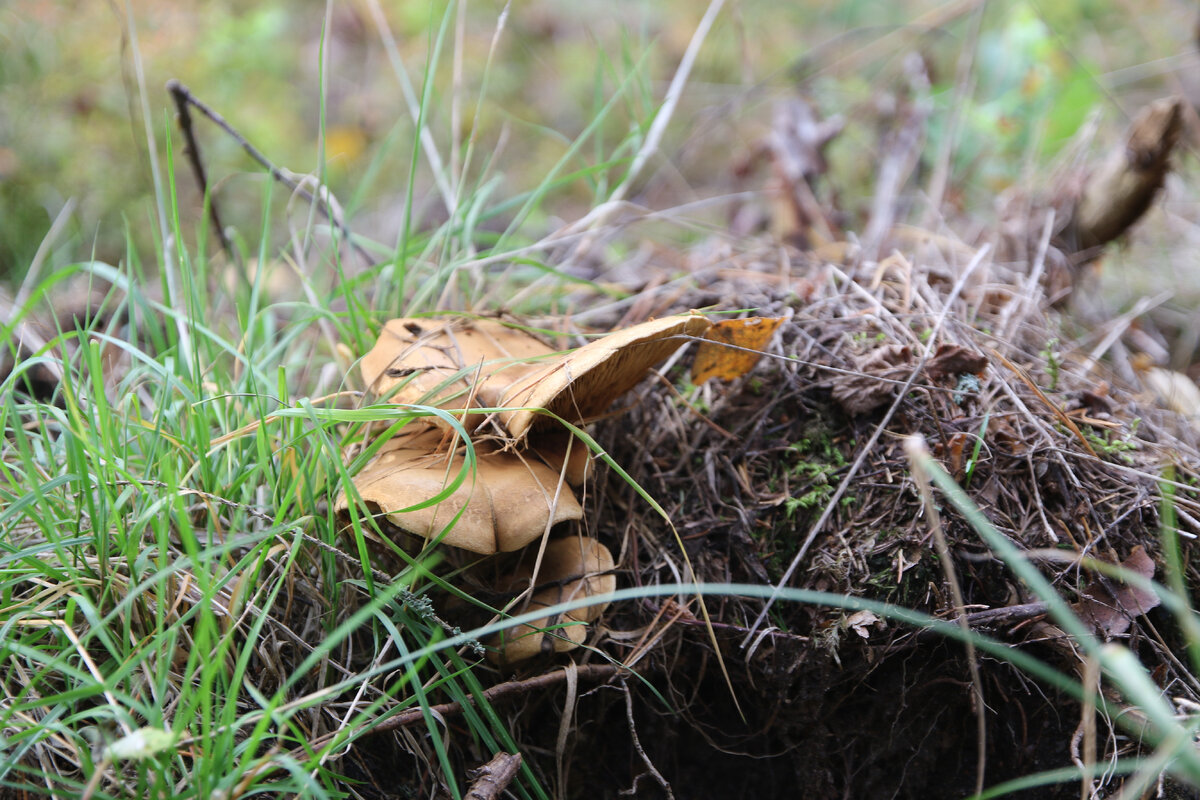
x=865, y=392
x=506, y=504
x=575, y=566
x=581, y=384
x=714, y=359
x=1174, y=390
x=860, y=622
x=1110, y=606
x=951, y=360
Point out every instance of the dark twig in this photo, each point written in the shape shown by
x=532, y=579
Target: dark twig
x=988, y=618
x=1006, y=615
x=500, y=691
x=494, y=777
x=658, y=776
x=183, y=97
x=180, y=95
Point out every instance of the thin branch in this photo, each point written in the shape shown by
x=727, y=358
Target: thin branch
x=494, y=777
x=658, y=776
x=501, y=691
x=192, y=148
x=285, y=177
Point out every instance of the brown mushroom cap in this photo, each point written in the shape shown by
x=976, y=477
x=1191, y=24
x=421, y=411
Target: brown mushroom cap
x=565, y=454
x=583, y=383
x=451, y=363
x=509, y=502
x=462, y=363
x=574, y=566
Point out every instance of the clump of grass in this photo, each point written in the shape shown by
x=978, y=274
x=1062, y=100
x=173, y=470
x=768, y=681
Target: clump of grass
x=182, y=614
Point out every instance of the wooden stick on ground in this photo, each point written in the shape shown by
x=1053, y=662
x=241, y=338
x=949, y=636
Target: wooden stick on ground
x=494, y=777
x=498, y=692
x=1123, y=187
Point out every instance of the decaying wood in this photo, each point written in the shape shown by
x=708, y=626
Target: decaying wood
x=1123, y=187
x=494, y=777
x=796, y=148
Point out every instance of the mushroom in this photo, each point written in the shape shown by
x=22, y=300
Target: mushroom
x=572, y=567
x=454, y=363
x=505, y=505
x=423, y=486
x=464, y=363
x=583, y=383
x=565, y=454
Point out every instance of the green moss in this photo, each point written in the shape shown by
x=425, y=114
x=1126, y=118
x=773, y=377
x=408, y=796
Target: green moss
x=809, y=468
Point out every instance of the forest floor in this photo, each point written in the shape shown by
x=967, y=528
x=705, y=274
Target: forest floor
x=902, y=550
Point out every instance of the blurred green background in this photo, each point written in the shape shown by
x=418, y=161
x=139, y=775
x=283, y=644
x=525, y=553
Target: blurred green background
x=72, y=128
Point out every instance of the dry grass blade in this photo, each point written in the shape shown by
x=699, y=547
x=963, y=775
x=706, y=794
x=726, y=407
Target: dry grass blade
x=1050, y=404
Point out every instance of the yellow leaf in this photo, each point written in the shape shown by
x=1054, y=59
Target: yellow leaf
x=725, y=354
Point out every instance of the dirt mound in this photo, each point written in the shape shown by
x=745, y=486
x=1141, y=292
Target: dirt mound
x=796, y=474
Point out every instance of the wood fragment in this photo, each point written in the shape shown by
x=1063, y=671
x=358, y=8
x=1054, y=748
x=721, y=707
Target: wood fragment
x=1123, y=187
x=501, y=691
x=494, y=777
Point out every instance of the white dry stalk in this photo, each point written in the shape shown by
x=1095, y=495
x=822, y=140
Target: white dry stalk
x=414, y=106
x=1017, y=310
x=1119, y=325
x=564, y=724
x=34, y=273
x=918, y=455
x=598, y=215
x=170, y=262
x=347, y=718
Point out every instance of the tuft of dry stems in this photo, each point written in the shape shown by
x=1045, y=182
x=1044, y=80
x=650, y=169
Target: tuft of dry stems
x=1058, y=450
